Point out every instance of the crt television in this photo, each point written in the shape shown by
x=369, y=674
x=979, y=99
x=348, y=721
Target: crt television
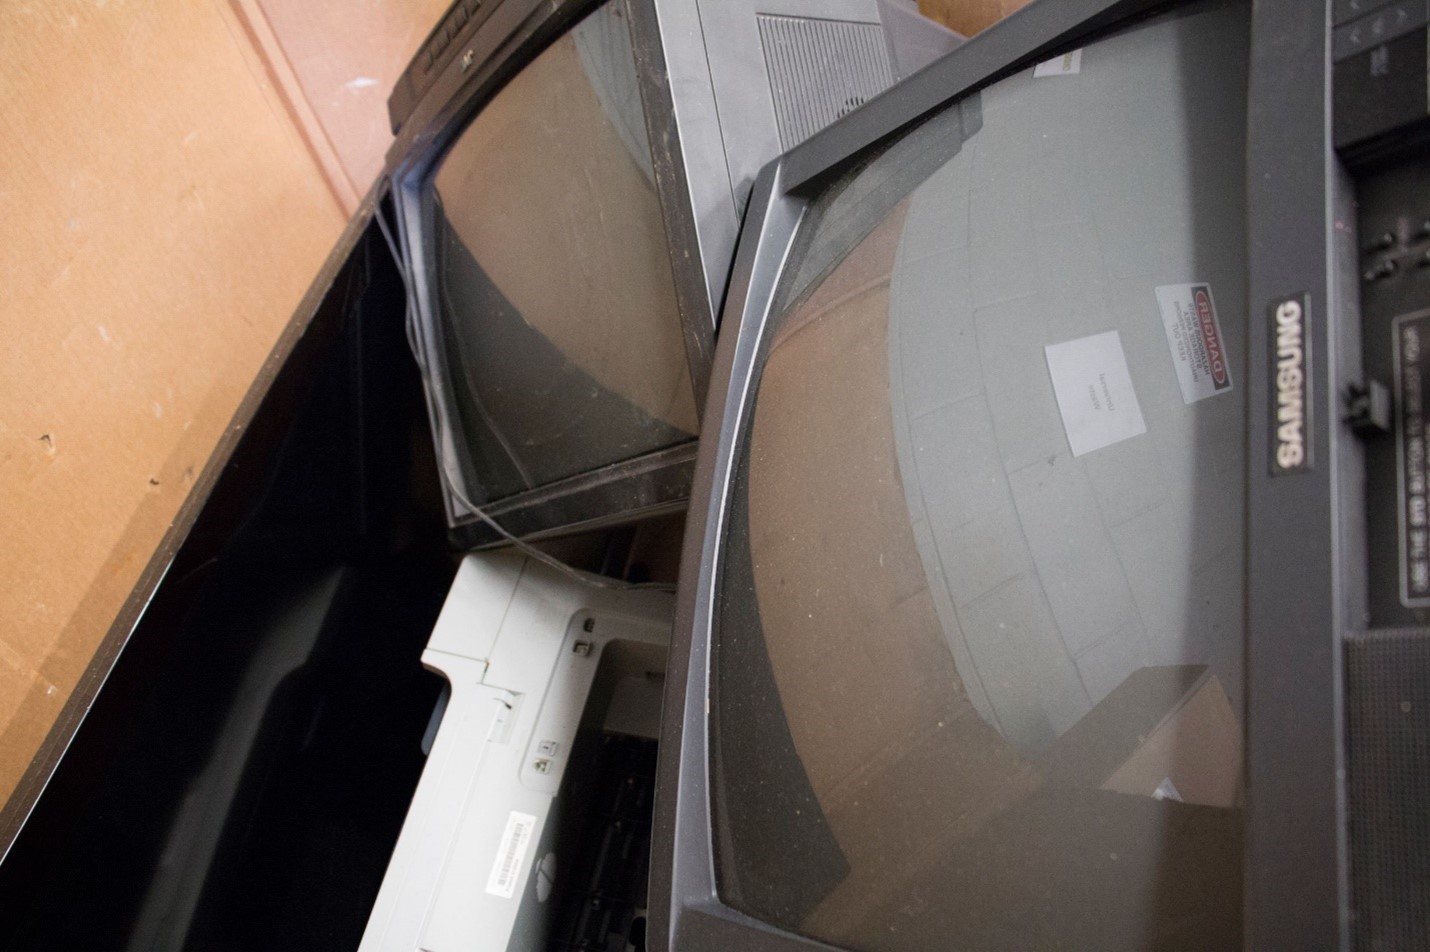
x=1056, y=567
x=568, y=179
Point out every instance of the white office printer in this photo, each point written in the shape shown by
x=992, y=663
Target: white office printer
x=551, y=680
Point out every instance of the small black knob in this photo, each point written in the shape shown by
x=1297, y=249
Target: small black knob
x=1382, y=242
x=1381, y=269
x=1368, y=409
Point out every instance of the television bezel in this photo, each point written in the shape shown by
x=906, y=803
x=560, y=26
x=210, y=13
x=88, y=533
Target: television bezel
x=1301, y=562
x=470, y=70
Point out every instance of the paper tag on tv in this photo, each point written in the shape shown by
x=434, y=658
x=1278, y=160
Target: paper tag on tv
x=1094, y=392
x=1069, y=64
x=1194, y=336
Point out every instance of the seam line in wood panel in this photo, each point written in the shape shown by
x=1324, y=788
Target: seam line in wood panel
x=259, y=36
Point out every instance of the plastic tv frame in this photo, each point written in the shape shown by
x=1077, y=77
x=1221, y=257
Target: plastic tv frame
x=1331, y=851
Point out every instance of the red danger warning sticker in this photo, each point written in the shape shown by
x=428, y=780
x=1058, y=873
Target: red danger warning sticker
x=1194, y=336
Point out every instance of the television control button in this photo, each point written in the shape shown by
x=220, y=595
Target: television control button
x=1377, y=27
x=1380, y=270
x=1347, y=10
x=1382, y=242
x=1380, y=90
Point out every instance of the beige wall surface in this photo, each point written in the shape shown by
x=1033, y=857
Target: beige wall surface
x=336, y=62
x=161, y=218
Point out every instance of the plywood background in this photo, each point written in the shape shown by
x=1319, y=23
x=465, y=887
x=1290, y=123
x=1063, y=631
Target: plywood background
x=162, y=218
x=336, y=62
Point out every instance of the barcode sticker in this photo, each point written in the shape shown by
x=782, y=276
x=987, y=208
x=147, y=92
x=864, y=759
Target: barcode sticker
x=507, y=868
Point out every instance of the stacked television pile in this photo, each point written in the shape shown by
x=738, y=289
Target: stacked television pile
x=568, y=181
x=1061, y=452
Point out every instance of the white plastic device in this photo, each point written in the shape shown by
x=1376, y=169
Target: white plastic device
x=520, y=645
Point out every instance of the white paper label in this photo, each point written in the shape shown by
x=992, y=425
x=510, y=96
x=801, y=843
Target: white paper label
x=1069, y=64
x=1094, y=392
x=506, y=871
x=1194, y=335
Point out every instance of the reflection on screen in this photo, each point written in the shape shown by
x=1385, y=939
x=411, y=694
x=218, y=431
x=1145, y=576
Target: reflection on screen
x=557, y=309
x=979, y=660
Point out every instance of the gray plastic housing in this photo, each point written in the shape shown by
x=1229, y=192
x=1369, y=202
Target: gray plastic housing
x=520, y=646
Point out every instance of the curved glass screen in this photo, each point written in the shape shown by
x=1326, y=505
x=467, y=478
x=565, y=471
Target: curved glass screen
x=557, y=319
x=978, y=661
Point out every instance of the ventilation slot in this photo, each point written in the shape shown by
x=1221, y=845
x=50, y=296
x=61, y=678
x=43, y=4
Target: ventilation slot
x=820, y=69
x=1388, y=767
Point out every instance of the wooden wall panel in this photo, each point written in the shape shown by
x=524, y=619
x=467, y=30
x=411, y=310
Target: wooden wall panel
x=162, y=218
x=336, y=62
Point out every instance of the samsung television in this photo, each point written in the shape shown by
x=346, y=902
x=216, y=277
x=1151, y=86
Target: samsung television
x=1055, y=571
x=568, y=179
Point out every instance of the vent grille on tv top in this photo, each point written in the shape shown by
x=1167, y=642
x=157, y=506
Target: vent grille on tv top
x=820, y=69
x=1388, y=773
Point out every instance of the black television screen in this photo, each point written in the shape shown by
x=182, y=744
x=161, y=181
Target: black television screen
x=986, y=532
x=559, y=341
x=569, y=178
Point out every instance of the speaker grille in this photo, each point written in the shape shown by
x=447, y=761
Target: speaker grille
x=820, y=69
x=1388, y=774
